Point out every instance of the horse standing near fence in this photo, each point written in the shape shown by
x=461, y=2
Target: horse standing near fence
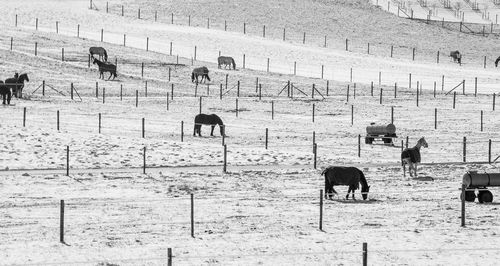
x=99, y=51
x=200, y=71
x=204, y=119
x=349, y=176
x=411, y=156
x=16, y=84
x=5, y=92
x=226, y=61
x=457, y=57
x=105, y=67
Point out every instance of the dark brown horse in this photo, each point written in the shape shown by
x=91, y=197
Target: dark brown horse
x=105, y=67
x=348, y=176
x=101, y=52
x=200, y=71
x=411, y=156
x=457, y=57
x=5, y=92
x=16, y=84
x=203, y=119
x=226, y=61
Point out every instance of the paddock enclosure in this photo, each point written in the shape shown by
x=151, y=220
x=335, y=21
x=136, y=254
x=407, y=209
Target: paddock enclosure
x=97, y=172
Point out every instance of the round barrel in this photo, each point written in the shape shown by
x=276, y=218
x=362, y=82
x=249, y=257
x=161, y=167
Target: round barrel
x=381, y=130
x=475, y=179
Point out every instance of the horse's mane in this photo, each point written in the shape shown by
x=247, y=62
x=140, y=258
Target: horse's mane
x=217, y=118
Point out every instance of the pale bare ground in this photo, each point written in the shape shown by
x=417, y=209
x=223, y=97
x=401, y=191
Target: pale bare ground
x=259, y=216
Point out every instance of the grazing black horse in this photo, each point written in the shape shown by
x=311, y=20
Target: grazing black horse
x=16, y=84
x=99, y=51
x=411, y=156
x=203, y=119
x=457, y=57
x=5, y=92
x=350, y=176
x=226, y=61
x=200, y=71
x=105, y=67
x=496, y=61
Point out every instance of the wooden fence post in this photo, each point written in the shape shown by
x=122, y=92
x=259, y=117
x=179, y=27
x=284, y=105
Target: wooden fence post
x=435, y=117
x=463, y=205
x=36, y=48
x=359, y=145
x=61, y=222
x=381, y=93
x=352, y=114
x=243, y=61
x=481, y=120
x=267, y=136
x=99, y=125
x=24, y=117
x=365, y=254
x=272, y=110
x=321, y=209
x=192, y=215
x=67, y=160
x=489, y=151
x=224, y=169
x=169, y=256
x=144, y=160
x=143, y=127
x=313, y=109
x=284, y=29
x=465, y=149
x=494, y=95
x=315, y=147
x=136, y=98
x=182, y=131
x=57, y=120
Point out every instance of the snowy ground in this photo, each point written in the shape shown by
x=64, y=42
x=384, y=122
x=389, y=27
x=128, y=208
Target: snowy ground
x=265, y=210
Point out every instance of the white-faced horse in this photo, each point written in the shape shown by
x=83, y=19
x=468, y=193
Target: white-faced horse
x=411, y=157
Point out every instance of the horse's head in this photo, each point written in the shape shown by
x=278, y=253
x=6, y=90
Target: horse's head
x=94, y=60
x=423, y=142
x=23, y=77
x=364, y=192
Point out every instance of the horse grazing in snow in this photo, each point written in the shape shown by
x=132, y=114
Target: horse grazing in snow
x=349, y=176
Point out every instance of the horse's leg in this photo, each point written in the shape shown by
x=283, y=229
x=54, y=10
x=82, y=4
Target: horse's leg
x=3, y=98
x=404, y=169
x=212, y=132
x=110, y=74
x=348, y=191
x=9, y=97
x=194, y=130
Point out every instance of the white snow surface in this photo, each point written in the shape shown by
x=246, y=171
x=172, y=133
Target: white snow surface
x=265, y=208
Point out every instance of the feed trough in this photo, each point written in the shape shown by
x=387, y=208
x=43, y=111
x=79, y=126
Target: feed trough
x=480, y=181
x=386, y=133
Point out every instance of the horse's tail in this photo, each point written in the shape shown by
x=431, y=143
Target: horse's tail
x=234, y=64
x=105, y=56
x=327, y=183
x=192, y=76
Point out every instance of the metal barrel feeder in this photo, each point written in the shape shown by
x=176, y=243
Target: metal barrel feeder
x=480, y=181
x=385, y=133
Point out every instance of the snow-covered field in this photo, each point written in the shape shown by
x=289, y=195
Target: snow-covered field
x=265, y=209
